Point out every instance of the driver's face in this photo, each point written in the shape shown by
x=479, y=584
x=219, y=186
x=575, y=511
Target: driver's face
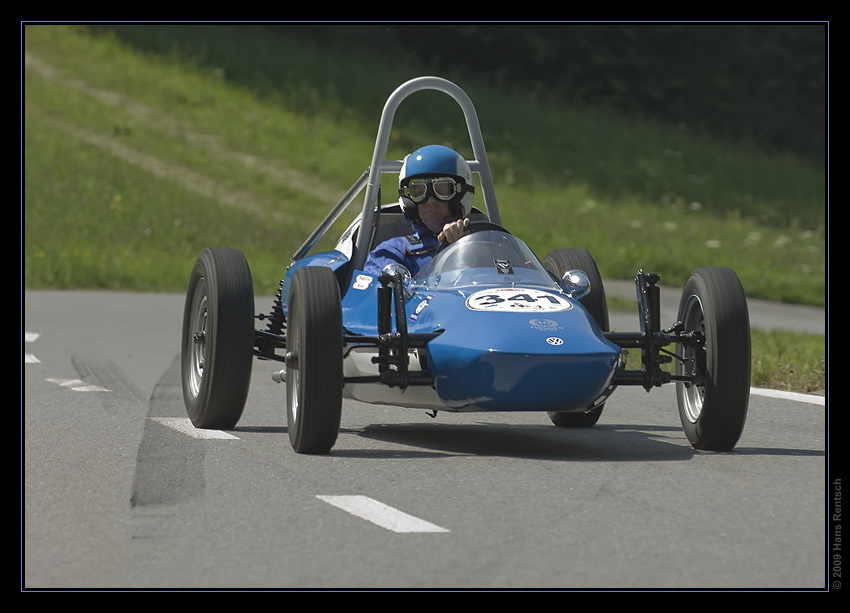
x=432, y=208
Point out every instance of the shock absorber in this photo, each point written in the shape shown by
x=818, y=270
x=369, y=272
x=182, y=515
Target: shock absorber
x=277, y=320
x=269, y=341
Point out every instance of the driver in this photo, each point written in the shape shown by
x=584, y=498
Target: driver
x=435, y=192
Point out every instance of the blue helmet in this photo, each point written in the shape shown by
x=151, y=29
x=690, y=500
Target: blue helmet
x=423, y=173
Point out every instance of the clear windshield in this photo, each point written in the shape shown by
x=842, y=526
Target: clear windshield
x=486, y=257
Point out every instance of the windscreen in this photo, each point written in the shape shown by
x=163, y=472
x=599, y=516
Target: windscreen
x=485, y=257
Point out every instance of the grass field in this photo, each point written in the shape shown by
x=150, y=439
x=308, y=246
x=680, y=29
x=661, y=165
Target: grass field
x=145, y=144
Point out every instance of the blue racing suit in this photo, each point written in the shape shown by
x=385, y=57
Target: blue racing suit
x=413, y=251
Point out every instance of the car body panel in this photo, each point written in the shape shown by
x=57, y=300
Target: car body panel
x=510, y=339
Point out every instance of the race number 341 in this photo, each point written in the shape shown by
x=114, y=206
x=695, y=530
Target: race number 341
x=517, y=300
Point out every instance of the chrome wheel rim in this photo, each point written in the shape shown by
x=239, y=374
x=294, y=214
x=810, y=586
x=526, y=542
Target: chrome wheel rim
x=199, y=316
x=293, y=372
x=692, y=394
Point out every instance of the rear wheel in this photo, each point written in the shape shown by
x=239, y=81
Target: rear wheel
x=314, y=360
x=218, y=339
x=713, y=409
x=559, y=262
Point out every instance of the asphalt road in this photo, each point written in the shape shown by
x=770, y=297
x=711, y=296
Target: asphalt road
x=119, y=494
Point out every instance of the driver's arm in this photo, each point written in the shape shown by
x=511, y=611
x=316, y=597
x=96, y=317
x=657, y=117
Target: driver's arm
x=453, y=231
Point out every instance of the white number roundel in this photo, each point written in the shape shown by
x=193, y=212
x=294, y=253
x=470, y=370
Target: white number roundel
x=517, y=300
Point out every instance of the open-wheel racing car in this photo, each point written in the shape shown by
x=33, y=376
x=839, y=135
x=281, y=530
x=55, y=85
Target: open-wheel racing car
x=485, y=326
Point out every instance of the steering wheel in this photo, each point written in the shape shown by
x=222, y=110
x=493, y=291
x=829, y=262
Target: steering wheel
x=473, y=227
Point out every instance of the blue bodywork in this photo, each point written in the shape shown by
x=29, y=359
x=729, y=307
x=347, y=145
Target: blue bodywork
x=509, y=338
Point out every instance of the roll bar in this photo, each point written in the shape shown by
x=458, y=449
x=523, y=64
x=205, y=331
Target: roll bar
x=380, y=165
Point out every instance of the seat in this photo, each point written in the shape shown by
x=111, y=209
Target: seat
x=390, y=224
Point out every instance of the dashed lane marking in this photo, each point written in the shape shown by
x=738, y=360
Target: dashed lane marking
x=77, y=385
x=29, y=358
x=380, y=514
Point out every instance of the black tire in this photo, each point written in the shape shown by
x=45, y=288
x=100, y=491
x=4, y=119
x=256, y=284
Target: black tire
x=558, y=262
x=218, y=339
x=314, y=361
x=713, y=410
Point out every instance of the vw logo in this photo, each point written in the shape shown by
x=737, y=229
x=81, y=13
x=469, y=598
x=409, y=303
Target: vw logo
x=554, y=340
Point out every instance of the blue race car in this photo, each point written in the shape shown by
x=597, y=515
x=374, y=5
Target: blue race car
x=485, y=326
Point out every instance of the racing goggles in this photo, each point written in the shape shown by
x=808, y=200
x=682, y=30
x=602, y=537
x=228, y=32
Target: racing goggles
x=442, y=188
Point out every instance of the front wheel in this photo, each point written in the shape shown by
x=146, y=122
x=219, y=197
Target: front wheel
x=218, y=339
x=314, y=361
x=713, y=408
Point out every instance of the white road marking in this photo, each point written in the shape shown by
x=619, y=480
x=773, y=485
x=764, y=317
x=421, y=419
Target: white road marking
x=186, y=426
x=77, y=385
x=810, y=398
x=381, y=514
x=29, y=358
